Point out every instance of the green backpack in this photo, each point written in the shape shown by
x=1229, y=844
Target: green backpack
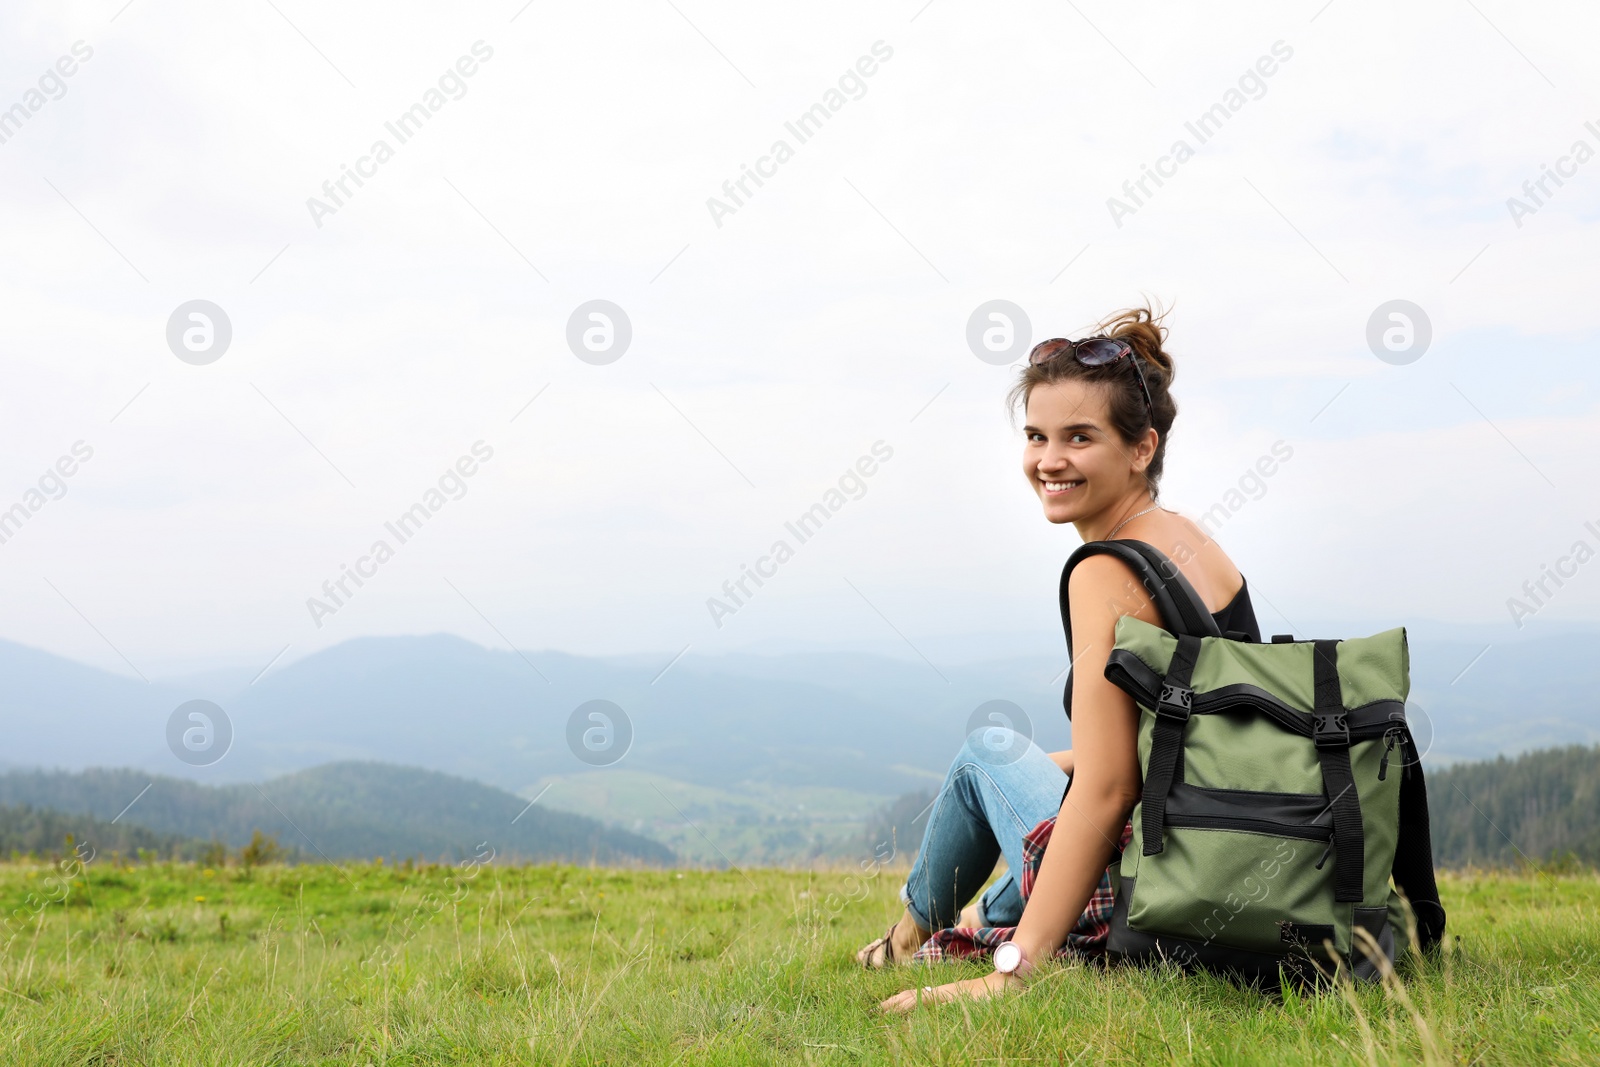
x=1283, y=807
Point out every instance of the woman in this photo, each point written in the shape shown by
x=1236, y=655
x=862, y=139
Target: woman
x=1098, y=415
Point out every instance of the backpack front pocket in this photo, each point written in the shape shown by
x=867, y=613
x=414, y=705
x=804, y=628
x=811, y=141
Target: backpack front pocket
x=1240, y=869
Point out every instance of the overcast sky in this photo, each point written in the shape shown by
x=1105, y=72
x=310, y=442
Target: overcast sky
x=376, y=338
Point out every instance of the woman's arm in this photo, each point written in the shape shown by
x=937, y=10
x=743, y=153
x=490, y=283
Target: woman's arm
x=1105, y=751
x=1105, y=736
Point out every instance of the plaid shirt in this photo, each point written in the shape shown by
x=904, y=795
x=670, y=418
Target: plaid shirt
x=1087, y=938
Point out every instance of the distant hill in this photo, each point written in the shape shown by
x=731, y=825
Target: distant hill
x=827, y=719
x=766, y=824
x=897, y=828
x=341, y=810
x=1539, y=806
x=43, y=832
x=437, y=701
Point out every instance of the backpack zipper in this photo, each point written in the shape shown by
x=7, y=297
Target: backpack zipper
x=1305, y=831
x=1392, y=737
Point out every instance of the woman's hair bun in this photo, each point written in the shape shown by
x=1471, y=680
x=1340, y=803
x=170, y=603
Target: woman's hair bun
x=1142, y=328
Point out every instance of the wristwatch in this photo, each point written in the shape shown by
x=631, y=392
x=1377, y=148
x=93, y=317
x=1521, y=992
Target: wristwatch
x=1010, y=959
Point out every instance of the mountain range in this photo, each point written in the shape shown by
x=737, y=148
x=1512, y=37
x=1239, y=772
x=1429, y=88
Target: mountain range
x=429, y=745
x=866, y=722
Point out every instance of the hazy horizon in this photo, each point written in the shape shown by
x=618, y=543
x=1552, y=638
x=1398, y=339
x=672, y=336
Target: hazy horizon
x=959, y=648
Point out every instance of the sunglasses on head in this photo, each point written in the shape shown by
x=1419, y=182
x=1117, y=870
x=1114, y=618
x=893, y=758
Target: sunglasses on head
x=1094, y=352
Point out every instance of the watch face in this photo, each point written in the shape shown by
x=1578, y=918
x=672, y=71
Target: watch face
x=1007, y=957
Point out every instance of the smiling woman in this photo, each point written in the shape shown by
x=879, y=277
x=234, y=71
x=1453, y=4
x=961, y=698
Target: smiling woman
x=1098, y=413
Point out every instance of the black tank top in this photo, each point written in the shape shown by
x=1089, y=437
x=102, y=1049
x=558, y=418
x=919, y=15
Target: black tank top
x=1237, y=617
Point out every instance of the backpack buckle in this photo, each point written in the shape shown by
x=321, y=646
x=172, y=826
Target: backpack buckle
x=1331, y=730
x=1176, y=702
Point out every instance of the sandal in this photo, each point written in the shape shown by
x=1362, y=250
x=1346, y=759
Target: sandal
x=886, y=942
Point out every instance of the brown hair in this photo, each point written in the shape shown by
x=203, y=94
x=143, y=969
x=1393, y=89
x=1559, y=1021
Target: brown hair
x=1140, y=327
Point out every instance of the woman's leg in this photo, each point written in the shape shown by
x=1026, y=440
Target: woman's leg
x=989, y=801
x=1001, y=903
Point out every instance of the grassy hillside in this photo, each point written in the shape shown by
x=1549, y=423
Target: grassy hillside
x=1540, y=806
x=342, y=810
x=175, y=965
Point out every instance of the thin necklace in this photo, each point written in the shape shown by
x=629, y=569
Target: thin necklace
x=1130, y=518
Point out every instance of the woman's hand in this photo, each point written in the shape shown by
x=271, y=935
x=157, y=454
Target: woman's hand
x=991, y=984
x=1063, y=759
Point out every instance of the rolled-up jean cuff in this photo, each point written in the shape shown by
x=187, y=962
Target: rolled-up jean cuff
x=916, y=912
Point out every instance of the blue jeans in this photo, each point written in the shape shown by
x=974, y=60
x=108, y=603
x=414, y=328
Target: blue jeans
x=993, y=795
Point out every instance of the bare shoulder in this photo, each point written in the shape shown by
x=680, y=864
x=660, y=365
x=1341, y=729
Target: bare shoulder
x=1102, y=578
x=1201, y=560
x=1100, y=572
x=1102, y=589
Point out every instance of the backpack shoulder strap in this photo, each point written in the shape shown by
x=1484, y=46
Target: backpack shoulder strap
x=1413, y=854
x=1180, y=607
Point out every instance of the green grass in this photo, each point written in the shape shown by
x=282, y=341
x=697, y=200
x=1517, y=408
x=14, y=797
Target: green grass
x=289, y=965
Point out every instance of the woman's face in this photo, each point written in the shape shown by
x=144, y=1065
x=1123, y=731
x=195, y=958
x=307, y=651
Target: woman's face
x=1072, y=455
